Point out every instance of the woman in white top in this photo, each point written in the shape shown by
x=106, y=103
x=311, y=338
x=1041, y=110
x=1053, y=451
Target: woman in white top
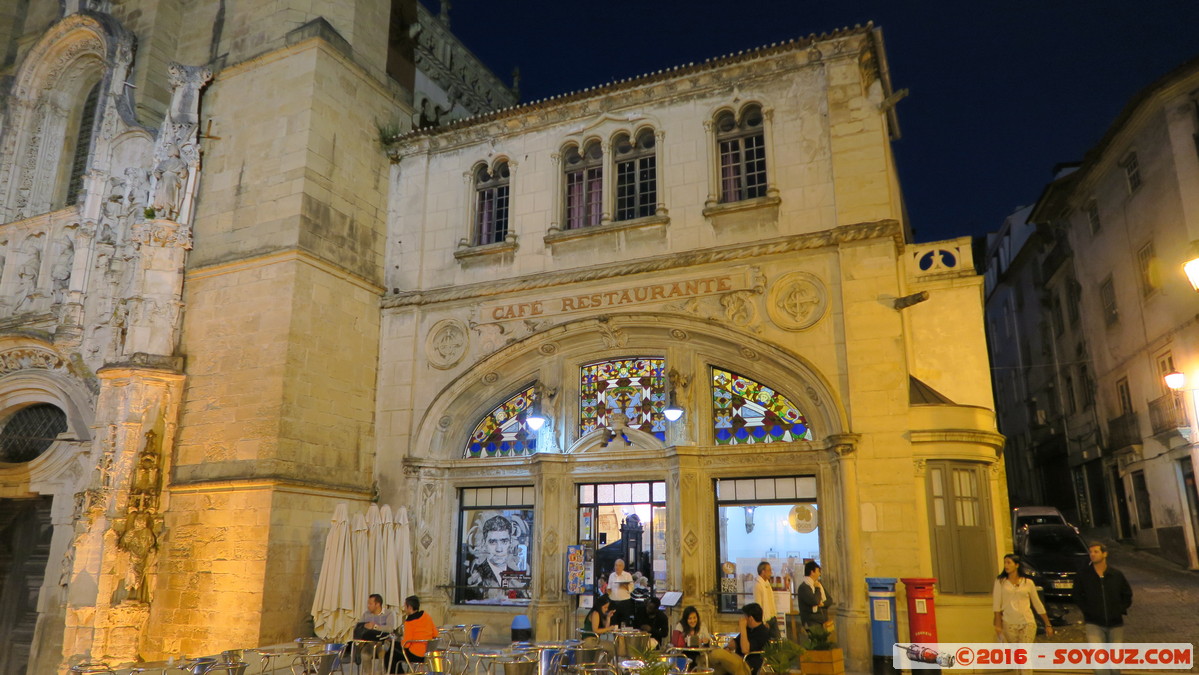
x=1014, y=599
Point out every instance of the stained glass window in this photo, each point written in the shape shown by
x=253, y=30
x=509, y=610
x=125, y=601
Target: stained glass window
x=504, y=432
x=635, y=387
x=746, y=411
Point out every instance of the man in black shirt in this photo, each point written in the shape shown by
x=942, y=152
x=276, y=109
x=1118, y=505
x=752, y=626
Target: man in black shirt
x=754, y=634
x=655, y=622
x=1104, y=596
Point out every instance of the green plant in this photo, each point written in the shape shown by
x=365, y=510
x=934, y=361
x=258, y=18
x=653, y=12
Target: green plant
x=388, y=132
x=656, y=663
x=782, y=655
x=819, y=639
x=149, y=213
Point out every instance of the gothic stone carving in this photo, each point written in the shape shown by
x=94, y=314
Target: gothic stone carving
x=446, y=344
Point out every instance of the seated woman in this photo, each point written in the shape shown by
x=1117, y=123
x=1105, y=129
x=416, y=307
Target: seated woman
x=689, y=632
x=598, y=622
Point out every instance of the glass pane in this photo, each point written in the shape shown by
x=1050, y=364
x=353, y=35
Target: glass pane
x=484, y=497
x=503, y=432
x=934, y=478
x=785, y=535
x=746, y=411
x=470, y=497
x=605, y=493
x=641, y=492
x=939, y=511
x=634, y=387
x=624, y=493
x=784, y=488
x=745, y=490
x=806, y=487
x=587, y=494
x=764, y=488
x=660, y=492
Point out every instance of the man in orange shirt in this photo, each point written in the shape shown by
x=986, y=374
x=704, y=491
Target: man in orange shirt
x=418, y=630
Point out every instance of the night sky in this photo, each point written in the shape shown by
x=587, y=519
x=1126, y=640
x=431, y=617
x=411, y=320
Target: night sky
x=1000, y=91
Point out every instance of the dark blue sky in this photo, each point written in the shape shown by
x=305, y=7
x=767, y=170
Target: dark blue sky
x=1000, y=91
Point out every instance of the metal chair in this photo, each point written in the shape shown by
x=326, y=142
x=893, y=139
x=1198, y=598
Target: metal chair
x=476, y=632
x=238, y=668
x=311, y=664
x=91, y=668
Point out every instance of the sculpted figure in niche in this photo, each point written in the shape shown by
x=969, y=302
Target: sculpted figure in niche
x=137, y=192
x=139, y=541
x=113, y=209
x=170, y=174
x=27, y=273
x=60, y=271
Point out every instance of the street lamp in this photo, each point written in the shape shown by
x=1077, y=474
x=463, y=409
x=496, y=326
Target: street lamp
x=1191, y=266
x=1175, y=380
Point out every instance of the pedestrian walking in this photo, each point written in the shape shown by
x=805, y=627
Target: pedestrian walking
x=1104, y=596
x=1014, y=600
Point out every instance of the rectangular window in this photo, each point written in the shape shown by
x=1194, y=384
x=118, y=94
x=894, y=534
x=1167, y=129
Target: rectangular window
x=771, y=519
x=1132, y=172
x=1088, y=386
x=583, y=198
x=961, y=530
x=1147, y=267
x=1059, y=322
x=1123, y=396
x=491, y=219
x=1093, y=216
x=1074, y=299
x=1165, y=365
x=495, y=551
x=636, y=188
x=1107, y=295
x=626, y=521
x=1071, y=401
x=1140, y=495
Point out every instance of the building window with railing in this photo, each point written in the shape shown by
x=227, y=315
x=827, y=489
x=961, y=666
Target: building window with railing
x=636, y=175
x=491, y=204
x=741, y=144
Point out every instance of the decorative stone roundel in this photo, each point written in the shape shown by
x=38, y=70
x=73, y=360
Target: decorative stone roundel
x=797, y=301
x=446, y=343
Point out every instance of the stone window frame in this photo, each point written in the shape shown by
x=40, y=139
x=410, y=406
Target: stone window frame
x=1146, y=270
x=469, y=247
x=592, y=154
x=635, y=157
x=53, y=386
x=1107, y=297
x=736, y=135
x=1132, y=172
x=74, y=58
x=716, y=208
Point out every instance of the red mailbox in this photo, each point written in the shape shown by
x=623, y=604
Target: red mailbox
x=922, y=611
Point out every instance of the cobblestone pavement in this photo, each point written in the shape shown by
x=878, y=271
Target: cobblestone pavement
x=1165, y=601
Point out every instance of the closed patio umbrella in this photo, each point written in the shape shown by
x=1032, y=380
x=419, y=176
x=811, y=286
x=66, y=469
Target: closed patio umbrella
x=387, y=561
x=333, y=604
x=403, y=555
x=359, y=542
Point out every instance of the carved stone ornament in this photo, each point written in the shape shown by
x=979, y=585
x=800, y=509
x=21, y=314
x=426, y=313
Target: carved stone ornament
x=446, y=343
x=26, y=358
x=163, y=233
x=797, y=301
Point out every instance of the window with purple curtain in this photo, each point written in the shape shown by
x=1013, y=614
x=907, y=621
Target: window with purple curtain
x=584, y=186
x=491, y=204
x=742, y=147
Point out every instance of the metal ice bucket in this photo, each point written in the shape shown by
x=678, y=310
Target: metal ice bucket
x=445, y=661
x=525, y=663
x=629, y=643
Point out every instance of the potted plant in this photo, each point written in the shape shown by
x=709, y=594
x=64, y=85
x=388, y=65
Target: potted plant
x=782, y=656
x=821, y=654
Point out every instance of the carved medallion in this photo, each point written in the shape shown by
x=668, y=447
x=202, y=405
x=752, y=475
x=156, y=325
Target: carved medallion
x=491, y=378
x=797, y=301
x=548, y=348
x=446, y=343
x=679, y=334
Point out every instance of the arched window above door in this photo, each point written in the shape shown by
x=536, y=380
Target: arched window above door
x=634, y=387
x=745, y=411
x=505, y=432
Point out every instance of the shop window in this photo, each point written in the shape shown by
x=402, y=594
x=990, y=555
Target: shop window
x=635, y=388
x=491, y=204
x=31, y=431
x=741, y=144
x=962, y=533
x=505, y=432
x=772, y=519
x=636, y=175
x=625, y=521
x=495, y=526
x=746, y=411
x=584, y=174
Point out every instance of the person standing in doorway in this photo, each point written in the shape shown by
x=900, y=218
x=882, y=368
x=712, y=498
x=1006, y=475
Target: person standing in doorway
x=812, y=599
x=764, y=597
x=1014, y=600
x=1104, y=596
x=620, y=592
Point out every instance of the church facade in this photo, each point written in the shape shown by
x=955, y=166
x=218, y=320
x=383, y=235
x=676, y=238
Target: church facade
x=677, y=319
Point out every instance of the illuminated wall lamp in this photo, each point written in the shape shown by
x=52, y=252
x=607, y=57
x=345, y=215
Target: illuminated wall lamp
x=1191, y=267
x=1175, y=380
x=535, y=419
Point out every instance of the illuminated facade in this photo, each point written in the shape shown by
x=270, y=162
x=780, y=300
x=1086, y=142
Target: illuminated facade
x=726, y=240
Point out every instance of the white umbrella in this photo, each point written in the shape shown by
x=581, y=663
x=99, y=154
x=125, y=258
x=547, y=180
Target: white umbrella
x=376, y=553
x=402, y=543
x=333, y=605
x=387, y=561
x=359, y=542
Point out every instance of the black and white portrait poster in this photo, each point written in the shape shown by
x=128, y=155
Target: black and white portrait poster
x=494, y=556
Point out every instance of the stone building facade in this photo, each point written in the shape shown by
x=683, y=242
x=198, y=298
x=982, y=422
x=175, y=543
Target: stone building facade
x=226, y=308
x=1127, y=217
x=592, y=259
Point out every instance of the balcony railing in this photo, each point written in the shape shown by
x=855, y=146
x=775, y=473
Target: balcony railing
x=1167, y=413
x=1123, y=431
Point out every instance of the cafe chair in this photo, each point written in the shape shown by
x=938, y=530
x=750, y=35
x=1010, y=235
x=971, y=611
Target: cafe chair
x=238, y=668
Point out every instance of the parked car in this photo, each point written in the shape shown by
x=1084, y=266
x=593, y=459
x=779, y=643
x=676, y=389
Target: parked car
x=1035, y=515
x=1053, y=554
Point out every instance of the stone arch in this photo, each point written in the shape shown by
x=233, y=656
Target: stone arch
x=77, y=54
x=551, y=358
x=32, y=373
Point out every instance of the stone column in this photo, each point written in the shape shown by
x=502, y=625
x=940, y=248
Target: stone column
x=118, y=515
x=689, y=492
x=556, y=508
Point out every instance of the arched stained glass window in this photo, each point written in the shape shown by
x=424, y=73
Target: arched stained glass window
x=746, y=411
x=635, y=387
x=504, y=432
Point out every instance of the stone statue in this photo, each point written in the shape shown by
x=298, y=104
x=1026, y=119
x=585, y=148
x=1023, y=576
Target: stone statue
x=28, y=272
x=113, y=210
x=137, y=192
x=60, y=271
x=139, y=541
x=171, y=175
